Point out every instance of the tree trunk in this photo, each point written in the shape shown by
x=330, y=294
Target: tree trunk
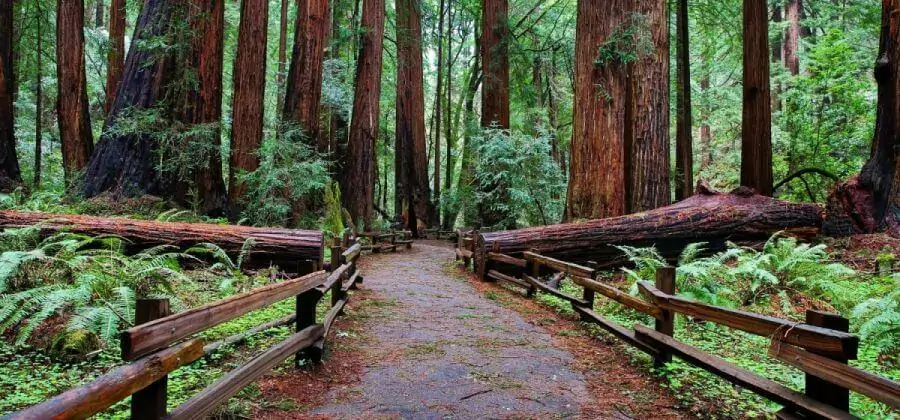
x=116, y=54
x=38, y=96
x=495, y=59
x=790, y=49
x=359, y=179
x=599, y=116
x=412, y=197
x=466, y=174
x=98, y=13
x=282, y=53
x=304, y=82
x=438, y=105
x=705, y=129
x=10, y=177
x=448, y=116
x=684, y=154
x=871, y=202
x=647, y=132
x=756, y=124
x=268, y=244
x=72, y=103
x=705, y=217
x=249, y=102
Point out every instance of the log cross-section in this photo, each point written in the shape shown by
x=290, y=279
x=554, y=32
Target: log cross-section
x=143, y=339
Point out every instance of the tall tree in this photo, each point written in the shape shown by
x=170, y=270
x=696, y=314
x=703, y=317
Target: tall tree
x=647, y=110
x=116, y=54
x=597, y=160
x=438, y=102
x=98, y=13
x=790, y=48
x=411, y=193
x=248, y=107
x=495, y=61
x=756, y=122
x=10, y=176
x=359, y=174
x=304, y=82
x=38, y=95
x=282, y=53
x=72, y=102
x=684, y=154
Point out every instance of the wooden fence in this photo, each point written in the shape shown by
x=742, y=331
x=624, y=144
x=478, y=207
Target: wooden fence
x=820, y=347
x=161, y=342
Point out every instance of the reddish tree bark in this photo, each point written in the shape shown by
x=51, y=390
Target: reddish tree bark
x=597, y=159
x=790, y=48
x=38, y=96
x=304, y=82
x=248, y=108
x=411, y=194
x=116, y=54
x=495, y=62
x=10, y=175
x=684, y=153
x=756, y=123
x=357, y=188
x=438, y=104
x=282, y=53
x=72, y=102
x=647, y=129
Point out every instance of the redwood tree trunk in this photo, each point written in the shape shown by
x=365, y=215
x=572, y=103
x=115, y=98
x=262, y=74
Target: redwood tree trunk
x=684, y=153
x=756, y=124
x=647, y=142
x=597, y=161
x=116, y=54
x=495, y=62
x=38, y=96
x=304, y=82
x=359, y=174
x=282, y=53
x=248, y=107
x=10, y=177
x=72, y=102
x=412, y=197
x=790, y=49
x=438, y=105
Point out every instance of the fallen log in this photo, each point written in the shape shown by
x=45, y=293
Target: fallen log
x=708, y=216
x=283, y=247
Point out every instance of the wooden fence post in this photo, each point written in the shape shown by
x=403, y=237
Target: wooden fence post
x=306, y=316
x=821, y=389
x=665, y=282
x=535, y=270
x=150, y=402
x=337, y=259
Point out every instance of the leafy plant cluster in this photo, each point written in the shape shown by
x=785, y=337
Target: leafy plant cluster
x=629, y=42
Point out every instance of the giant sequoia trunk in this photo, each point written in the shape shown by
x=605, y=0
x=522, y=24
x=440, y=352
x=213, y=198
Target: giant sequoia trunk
x=10, y=177
x=756, y=122
x=647, y=121
x=597, y=161
x=357, y=188
x=411, y=193
x=282, y=246
x=116, y=55
x=871, y=202
x=72, y=103
x=248, y=107
x=684, y=153
x=705, y=217
x=304, y=82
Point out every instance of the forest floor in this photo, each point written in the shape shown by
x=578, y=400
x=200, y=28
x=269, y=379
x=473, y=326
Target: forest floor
x=423, y=339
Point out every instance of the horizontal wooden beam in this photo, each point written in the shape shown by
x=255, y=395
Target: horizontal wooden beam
x=496, y=275
x=868, y=384
x=555, y=292
x=559, y=265
x=226, y=387
x=506, y=259
x=352, y=253
x=114, y=386
x=242, y=336
x=334, y=277
x=619, y=296
x=796, y=333
x=146, y=338
x=347, y=285
x=731, y=373
x=620, y=332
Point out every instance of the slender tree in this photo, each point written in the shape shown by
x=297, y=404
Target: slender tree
x=790, y=48
x=684, y=154
x=116, y=54
x=304, y=82
x=10, y=177
x=495, y=59
x=597, y=159
x=411, y=193
x=438, y=102
x=38, y=95
x=756, y=123
x=98, y=13
x=72, y=102
x=248, y=107
x=359, y=174
x=282, y=53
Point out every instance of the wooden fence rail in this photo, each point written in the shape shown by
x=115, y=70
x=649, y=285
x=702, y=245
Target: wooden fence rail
x=156, y=346
x=820, y=347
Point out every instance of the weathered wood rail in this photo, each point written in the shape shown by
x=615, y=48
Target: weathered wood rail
x=820, y=347
x=388, y=241
x=162, y=342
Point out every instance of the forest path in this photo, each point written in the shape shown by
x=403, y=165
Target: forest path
x=434, y=344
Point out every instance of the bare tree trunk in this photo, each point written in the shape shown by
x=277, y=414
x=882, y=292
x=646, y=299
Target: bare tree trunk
x=599, y=116
x=495, y=60
x=756, y=124
x=72, y=103
x=304, y=82
x=98, y=13
x=39, y=97
x=790, y=50
x=684, y=154
x=116, y=54
x=438, y=103
x=248, y=108
x=647, y=132
x=705, y=129
x=282, y=53
x=448, y=114
x=10, y=177
x=359, y=179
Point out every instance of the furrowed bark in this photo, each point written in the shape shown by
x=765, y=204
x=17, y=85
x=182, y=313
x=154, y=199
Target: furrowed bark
x=116, y=55
x=72, y=102
x=10, y=176
x=684, y=154
x=756, y=122
x=304, y=81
